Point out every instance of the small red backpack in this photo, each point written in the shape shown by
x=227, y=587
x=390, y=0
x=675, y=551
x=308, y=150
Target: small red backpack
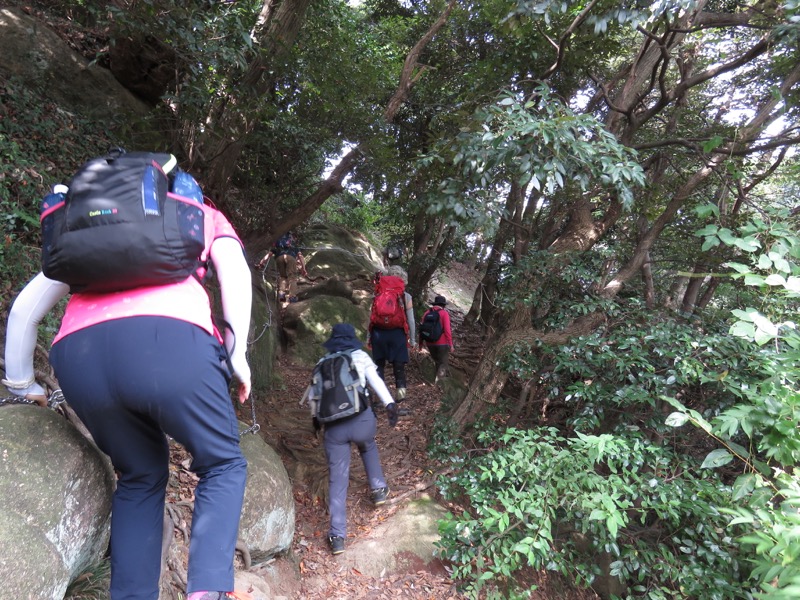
x=388, y=307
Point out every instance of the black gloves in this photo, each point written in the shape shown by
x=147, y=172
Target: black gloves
x=317, y=425
x=391, y=412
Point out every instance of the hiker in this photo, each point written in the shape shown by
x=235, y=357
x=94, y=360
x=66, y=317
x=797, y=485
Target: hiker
x=287, y=258
x=357, y=428
x=435, y=333
x=392, y=253
x=138, y=365
x=390, y=337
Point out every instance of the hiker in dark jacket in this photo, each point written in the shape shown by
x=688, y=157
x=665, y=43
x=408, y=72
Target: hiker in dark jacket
x=358, y=429
x=287, y=259
x=440, y=349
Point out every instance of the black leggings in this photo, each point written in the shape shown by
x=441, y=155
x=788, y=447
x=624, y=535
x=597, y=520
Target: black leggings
x=399, y=370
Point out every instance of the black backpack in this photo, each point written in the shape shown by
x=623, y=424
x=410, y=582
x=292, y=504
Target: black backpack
x=285, y=245
x=430, y=330
x=394, y=251
x=121, y=225
x=336, y=389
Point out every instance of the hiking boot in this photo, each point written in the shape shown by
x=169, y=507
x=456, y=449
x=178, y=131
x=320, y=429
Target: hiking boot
x=292, y=298
x=400, y=395
x=281, y=297
x=336, y=543
x=379, y=496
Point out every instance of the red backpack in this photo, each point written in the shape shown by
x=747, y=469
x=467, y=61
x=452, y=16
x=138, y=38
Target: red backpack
x=389, y=306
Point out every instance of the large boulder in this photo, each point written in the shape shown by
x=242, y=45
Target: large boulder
x=341, y=266
x=55, y=490
x=33, y=53
x=307, y=324
x=267, y=522
x=319, y=236
x=406, y=543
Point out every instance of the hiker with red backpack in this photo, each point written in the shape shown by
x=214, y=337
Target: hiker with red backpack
x=436, y=335
x=391, y=326
x=141, y=359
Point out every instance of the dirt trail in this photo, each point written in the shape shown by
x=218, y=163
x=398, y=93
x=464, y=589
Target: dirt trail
x=287, y=427
x=409, y=472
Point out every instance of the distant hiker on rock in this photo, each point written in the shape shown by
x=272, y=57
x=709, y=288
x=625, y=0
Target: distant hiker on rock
x=287, y=258
x=392, y=327
x=435, y=333
x=143, y=360
x=392, y=253
x=339, y=402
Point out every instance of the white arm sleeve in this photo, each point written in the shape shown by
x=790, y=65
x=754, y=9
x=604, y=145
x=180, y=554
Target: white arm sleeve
x=237, y=297
x=34, y=301
x=412, y=325
x=378, y=385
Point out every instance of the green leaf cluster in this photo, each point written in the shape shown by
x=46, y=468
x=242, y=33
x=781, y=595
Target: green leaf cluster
x=40, y=145
x=540, y=500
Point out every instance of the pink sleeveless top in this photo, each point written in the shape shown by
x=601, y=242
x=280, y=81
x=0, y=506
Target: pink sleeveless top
x=186, y=300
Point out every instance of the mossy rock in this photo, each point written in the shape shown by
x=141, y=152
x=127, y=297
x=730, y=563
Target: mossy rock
x=319, y=237
x=307, y=324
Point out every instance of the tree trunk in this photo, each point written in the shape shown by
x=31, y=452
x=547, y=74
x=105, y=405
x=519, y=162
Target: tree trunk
x=692, y=292
x=279, y=29
x=488, y=381
x=482, y=307
x=627, y=113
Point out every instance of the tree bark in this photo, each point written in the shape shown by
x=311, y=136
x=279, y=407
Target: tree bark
x=489, y=380
x=482, y=307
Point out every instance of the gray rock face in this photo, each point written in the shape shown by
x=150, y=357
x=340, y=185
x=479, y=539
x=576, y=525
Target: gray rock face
x=55, y=489
x=267, y=522
x=35, y=54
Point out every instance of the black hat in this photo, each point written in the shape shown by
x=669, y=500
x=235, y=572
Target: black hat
x=343, y=337
x=440, y=301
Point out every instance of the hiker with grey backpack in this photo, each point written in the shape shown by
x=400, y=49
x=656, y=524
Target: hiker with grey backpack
x=340, y=405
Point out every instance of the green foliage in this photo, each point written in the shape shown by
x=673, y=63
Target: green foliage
x=538, y=141
x=353, y=211
x=540, y=500
x=616, y=376
x=604, y=15
x=40, y=145
x=558, y=286
x=760, y=432
x=604, y=483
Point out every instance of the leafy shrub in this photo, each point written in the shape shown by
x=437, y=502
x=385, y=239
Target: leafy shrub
x=40, y=145
x=618, y=482
x=540, y=500
x=759, y=434
x=354, y=212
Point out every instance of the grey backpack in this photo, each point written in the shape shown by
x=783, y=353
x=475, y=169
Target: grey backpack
x=336, y=388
